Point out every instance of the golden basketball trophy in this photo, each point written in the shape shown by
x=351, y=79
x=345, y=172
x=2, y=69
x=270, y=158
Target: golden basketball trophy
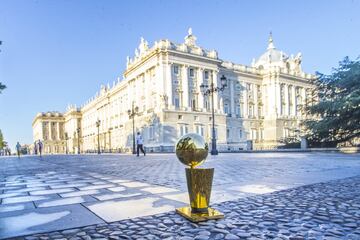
x=192, y=150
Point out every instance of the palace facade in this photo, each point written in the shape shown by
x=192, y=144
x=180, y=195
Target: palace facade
x=261, y=103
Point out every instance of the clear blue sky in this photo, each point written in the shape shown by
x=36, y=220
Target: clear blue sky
x=60, y=52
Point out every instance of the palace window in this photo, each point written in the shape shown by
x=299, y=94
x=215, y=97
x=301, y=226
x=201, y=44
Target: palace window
x=227, y=133
x=193, y=104
x=226, y=108
x=237, y=110
x=191, y=72
x=253, y=135
x=199, y=130
x=206, y=74
x=183, y=129
x=207, y=105
x=177, y=102
x=240, y=133
x=180, y=117
x=176, y=70
x=251, y=110
x=261, y=133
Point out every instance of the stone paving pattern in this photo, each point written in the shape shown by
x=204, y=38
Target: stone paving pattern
x=55, y=199
x=320, y=211
x=54, y=193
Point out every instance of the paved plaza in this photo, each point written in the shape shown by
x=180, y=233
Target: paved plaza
x=263, y=195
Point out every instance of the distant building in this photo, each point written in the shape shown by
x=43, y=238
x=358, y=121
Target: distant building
x=49, y=128
x=262, y=102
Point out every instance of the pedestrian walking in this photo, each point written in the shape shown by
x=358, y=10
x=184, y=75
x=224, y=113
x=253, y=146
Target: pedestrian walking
x=18, y=148
x=139, y=144
x=40, y=146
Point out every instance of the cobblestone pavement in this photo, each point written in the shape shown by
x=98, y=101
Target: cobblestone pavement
x=320, y=211
x=64, y=192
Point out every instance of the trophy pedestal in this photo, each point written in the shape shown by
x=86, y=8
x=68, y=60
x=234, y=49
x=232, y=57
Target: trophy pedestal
x=199, y=182
x=211, y=214
x=192, y=150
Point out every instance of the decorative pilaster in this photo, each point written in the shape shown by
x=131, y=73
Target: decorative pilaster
x=185, y=86
x=293, y=94
x=200, y=81
x=232, y=102
x=303, y=96
x=169, y=85
x=50, y=131
x=255, y=93
x=215, y=81
x=58, y=131
x=278, y=97
x=246, y=101
x=287, y=100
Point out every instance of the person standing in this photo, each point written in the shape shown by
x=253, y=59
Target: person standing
x=18, y=148
x=139, y=144
x=40, y=146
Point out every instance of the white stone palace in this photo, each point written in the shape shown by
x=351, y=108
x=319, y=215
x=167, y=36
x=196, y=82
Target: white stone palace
x=261, y=102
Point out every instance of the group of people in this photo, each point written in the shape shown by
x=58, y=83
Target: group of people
x=38, y=146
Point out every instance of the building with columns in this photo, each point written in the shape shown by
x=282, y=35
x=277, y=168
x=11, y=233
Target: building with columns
x=261, y=102
x=49, y=128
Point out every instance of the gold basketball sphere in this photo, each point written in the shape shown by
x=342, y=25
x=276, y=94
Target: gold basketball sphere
x=191, y=149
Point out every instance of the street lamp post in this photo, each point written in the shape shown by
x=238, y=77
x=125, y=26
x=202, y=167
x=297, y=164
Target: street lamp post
x=134, y=111
x=78, y=136
x=210, y=90
x=98, y=134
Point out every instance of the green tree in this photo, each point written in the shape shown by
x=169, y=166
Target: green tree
x=335, y=106
x=2, y=145
x=2, y=87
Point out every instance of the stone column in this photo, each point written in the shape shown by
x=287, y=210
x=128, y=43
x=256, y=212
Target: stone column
x=58, y=131
x=303, y=96
x=246, y=102
x=216, y=98
x=293, y=94
x=169, y=85
x=232, y=102
x=199, y=82
x=278, y=98
x=185, y=87
x=50, y=131
x=287, y=100
x=255, y=92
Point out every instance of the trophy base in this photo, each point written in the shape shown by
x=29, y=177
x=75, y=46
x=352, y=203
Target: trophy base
x=211, y=214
